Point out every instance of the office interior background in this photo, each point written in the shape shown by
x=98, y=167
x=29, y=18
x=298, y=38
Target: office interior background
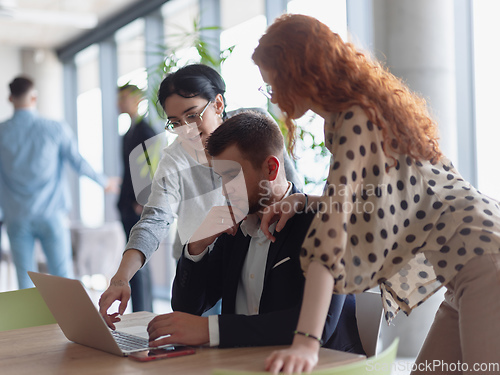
x=78, y=52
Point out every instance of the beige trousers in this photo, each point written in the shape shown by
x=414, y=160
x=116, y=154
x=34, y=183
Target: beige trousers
x=465, y=335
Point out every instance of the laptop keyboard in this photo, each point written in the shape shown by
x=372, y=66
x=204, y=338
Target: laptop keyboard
x=128, y=342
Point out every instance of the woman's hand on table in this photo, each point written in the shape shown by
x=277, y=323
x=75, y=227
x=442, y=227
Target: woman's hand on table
x=298, y=358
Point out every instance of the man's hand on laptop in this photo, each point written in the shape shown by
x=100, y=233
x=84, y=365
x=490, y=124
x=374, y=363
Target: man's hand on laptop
x=118, y=290
x=179, y=328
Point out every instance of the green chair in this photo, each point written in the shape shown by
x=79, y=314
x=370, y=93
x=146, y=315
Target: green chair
x=23, y=308
x=380, y=364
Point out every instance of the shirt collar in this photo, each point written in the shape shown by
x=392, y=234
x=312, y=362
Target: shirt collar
x=251, y=225
x=25, y=111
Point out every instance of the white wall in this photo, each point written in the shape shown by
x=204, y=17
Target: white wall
x=416, y=41
x=10, y=66
x=45, y=69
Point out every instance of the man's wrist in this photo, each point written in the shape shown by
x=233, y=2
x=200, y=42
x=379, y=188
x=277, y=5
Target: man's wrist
x=195, y=248
x=193, y=257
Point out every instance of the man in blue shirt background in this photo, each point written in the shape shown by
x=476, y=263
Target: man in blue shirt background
x=34, y=192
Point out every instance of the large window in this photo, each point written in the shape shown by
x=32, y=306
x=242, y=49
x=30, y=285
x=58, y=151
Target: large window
x=487, y=81
x=90, y=143
x=242, y=30
x=312, y=159
x=131, y=65
x=181, y=17
x=331, y=12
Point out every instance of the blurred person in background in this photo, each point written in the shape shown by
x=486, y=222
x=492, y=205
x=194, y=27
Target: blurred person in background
x=35, y=196
x=129, y=97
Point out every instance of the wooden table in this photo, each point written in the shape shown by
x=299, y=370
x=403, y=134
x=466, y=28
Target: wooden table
x=45, y=350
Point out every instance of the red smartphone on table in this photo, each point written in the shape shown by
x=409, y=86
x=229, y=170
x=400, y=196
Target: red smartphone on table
x=161, y=353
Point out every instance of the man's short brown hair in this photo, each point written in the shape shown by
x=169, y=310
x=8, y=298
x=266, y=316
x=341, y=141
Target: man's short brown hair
x=256, y=135
x=20, y=86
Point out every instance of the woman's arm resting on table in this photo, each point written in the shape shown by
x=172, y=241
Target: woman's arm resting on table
x=119, y=288
x=302, y=356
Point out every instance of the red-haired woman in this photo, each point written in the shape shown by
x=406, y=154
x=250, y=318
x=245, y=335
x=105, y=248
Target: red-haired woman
x=394, y=213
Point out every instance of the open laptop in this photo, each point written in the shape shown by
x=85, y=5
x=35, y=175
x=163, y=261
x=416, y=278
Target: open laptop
x=79, y=319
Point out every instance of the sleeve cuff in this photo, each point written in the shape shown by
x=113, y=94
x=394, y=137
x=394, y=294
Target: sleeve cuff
x=194, y=258
x=197, y=258
x=213, y=330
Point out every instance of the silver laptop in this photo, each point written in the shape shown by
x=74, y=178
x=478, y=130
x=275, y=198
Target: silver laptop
x=78, y=318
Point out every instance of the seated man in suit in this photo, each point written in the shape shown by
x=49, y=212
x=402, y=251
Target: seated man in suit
x=260, y=282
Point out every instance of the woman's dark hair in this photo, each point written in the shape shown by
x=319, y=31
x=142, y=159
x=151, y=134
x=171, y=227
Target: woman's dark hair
x=193, y=80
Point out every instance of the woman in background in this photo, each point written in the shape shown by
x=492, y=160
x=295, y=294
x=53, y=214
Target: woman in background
x=394, y=213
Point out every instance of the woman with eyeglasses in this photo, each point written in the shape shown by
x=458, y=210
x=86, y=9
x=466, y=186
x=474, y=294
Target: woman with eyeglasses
x=395, y=213
x=184, y=185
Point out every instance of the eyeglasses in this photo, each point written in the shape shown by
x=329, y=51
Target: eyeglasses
x=191, y=118
x=266, y=90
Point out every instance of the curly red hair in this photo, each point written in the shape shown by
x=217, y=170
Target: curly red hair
x=307, y=60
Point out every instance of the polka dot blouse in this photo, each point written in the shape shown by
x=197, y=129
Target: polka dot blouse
x=409, y=228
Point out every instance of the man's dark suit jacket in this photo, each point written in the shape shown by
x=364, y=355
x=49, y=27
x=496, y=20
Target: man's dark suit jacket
x=199, y=285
